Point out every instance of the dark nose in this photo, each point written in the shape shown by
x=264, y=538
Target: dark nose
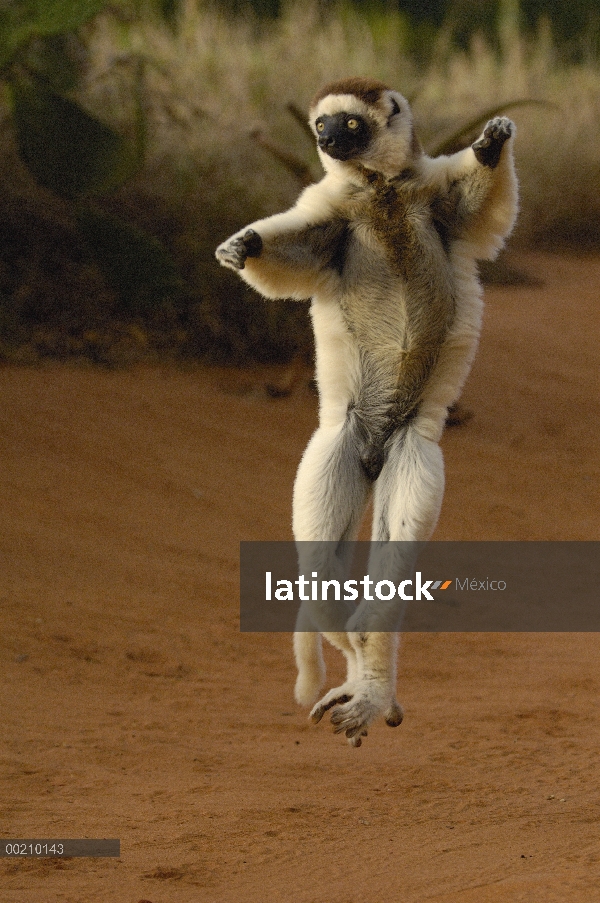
x=325, y=141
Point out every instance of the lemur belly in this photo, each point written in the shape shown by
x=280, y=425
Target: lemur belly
x=359, y=361
x=358, y=370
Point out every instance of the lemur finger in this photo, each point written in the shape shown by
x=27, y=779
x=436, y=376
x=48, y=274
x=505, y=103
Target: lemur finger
x=232, y=254
x=253, y=243
x=236, y=251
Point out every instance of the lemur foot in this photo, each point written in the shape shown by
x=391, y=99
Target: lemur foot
x=356, y=706
x=488, y=146
x=234, y=252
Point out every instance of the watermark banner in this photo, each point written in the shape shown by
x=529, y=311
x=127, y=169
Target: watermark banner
x=435, y=586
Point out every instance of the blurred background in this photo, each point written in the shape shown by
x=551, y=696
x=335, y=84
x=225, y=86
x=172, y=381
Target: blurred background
x=137, y=134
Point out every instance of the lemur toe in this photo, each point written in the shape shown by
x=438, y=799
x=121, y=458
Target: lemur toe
x=394, y=716
x=326, y=704
x=356, y=741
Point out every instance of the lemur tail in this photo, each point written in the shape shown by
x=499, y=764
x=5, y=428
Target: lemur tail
x=308, y=650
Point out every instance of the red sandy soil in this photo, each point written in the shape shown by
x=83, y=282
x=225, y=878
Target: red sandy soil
x=133, y=707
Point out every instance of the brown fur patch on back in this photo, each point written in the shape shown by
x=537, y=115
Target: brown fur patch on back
x=368, y=89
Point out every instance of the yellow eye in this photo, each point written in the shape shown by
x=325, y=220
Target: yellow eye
x=352, y=124
x=320, y=126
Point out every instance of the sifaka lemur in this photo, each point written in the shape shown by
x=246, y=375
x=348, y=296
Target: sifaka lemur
x=386, y=246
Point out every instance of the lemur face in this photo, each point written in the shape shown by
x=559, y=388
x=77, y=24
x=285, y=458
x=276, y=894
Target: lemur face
x=343, y=135
x=361, y=120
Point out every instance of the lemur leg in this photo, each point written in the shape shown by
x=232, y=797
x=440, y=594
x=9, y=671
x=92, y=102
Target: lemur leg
x=330, y=495
x=408, y=497
x=311, y=669
x=409, y=492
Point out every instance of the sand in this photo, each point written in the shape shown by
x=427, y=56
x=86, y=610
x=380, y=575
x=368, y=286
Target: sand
x=133, y=708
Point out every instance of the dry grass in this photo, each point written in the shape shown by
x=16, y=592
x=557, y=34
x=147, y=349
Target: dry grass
x=215, y=81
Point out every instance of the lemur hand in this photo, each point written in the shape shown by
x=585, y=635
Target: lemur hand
x=488, y=146
x=234, y=252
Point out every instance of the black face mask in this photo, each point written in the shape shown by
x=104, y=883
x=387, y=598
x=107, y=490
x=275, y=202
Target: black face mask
x=343, y=135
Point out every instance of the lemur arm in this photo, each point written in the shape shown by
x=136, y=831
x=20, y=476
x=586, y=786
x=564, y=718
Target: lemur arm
x=476, y=190
x=475, y=201
x=291, y=254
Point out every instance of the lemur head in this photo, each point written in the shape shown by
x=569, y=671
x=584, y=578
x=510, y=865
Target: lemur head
x=360, y=120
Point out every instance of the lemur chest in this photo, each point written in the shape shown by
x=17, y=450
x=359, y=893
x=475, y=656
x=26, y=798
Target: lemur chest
x=371, y=293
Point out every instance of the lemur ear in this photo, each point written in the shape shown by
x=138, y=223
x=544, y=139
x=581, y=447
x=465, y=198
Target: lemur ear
x=395, y=108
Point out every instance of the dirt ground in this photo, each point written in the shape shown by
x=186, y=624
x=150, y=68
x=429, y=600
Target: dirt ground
x=133, y=708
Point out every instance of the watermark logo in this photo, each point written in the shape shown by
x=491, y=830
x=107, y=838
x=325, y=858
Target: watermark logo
x=314, y=590
x=437, y=586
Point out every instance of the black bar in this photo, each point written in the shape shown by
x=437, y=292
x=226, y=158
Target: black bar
x=95, y=849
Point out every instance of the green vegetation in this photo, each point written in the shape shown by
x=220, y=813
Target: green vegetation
x=137, y=135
